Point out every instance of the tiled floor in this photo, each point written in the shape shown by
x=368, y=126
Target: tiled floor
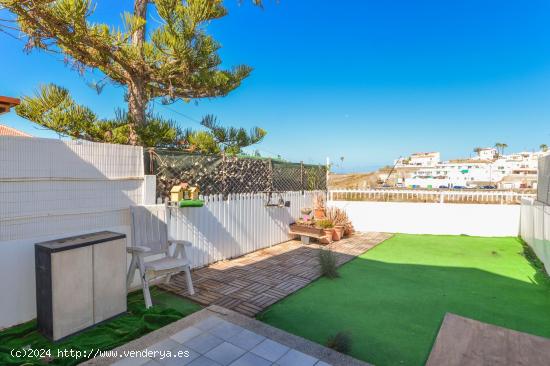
x=215, y=341
x=255, y=281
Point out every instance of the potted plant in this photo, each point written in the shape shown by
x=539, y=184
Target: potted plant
x=328, y=227
x=348, y=229
x=319, y=206
x=340, y=219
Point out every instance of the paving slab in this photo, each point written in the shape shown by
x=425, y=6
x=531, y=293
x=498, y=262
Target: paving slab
x=191, y=342
x=468, y=342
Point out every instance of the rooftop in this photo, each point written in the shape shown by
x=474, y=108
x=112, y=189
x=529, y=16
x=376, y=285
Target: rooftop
x=6, y=103
x=10, y=131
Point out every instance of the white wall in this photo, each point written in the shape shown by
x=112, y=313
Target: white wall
x=433, y=218
x=51, y=189
x=535, y=228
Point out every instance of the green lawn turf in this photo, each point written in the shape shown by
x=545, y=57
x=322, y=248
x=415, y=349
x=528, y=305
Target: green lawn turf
x=392, y=299
x=108, y=335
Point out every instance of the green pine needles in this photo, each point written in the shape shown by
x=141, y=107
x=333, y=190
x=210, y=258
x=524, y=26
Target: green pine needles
x=166, y=56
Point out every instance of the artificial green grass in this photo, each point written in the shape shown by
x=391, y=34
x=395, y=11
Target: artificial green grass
x=138, y=321
x=392, y=299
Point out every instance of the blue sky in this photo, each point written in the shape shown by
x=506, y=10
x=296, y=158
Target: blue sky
x=367, y=80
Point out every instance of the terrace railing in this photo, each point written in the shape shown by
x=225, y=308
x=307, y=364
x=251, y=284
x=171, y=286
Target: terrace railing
x=429, y=196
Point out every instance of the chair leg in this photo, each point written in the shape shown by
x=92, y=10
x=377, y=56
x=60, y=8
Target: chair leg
x=189, y=281
x=131, y=272
x=145, y=284
x=146, y=292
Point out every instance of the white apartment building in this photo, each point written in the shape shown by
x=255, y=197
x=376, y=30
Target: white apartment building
x=486, y=153
x=512, y=171
x=420, y=159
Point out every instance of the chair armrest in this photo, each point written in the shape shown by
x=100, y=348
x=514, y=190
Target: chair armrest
x=180, y=242
x=137, y=249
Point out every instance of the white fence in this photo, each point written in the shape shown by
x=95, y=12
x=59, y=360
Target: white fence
x=425, y=195
x=535, y=228
x=433, y=218
x=51, y=189
x=241, y=224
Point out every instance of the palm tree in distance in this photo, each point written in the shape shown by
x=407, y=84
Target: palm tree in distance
x=504, y=146
x=500, y=146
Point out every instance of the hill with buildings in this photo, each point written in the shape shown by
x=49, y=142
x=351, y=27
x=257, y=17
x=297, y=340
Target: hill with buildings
x=489, y=169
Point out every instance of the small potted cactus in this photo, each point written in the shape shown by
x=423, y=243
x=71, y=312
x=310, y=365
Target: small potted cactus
x=340, y=219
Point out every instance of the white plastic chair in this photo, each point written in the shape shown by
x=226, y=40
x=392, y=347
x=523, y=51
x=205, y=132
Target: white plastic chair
x=150, y=238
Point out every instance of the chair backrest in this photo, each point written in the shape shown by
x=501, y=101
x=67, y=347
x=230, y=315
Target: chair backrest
x=150, y=227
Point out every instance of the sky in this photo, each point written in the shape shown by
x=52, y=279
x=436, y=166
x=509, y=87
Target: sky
x=365, y=80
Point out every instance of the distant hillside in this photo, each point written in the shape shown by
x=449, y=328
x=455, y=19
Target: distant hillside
x=356, y=180
x=370, y=180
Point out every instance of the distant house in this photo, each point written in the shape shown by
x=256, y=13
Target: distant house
x=6, y=103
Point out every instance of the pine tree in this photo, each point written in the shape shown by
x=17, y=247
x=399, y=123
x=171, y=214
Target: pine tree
x=175, y=60
x=218, y=139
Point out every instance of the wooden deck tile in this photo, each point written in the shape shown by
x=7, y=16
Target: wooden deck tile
x=253, y=282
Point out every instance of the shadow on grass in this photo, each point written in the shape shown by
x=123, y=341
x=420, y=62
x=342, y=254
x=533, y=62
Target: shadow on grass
x=108, y=335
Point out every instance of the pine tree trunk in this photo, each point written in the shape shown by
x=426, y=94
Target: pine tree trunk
x=137, y=95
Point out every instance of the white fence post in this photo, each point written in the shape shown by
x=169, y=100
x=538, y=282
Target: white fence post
x=150, y=189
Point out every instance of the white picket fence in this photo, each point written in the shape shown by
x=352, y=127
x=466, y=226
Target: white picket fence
x=425, y=195
x=535, y=228
x=224, y=229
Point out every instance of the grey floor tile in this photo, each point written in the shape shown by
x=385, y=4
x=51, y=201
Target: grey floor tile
x=163, y=345
x=203, y=361
x=209, y=323
x=132, y=361
x=296, y=358
x=250, y=359
x=246, y=339
x=152, y=363
x=270, y=350
x=181, y=355
x=226, y=330
x=186, y=334
x=203, y=343
x=225, y=353
x=322, y=363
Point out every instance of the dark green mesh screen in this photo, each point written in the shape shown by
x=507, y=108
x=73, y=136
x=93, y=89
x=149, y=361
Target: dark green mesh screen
x=216, y=174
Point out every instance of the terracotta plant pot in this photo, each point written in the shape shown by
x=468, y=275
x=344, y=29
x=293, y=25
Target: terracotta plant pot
x=328, y=236
x=319, y=213
x=348, y=230
x=338, y=232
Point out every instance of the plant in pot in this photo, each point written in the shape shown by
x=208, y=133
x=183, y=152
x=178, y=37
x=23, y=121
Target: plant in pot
x=319, y=206
x=340, y=219
x=328, y=227
x=348, y=229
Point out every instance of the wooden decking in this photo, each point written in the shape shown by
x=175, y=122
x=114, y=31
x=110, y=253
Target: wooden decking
x=253, y=282
x=467, y=342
